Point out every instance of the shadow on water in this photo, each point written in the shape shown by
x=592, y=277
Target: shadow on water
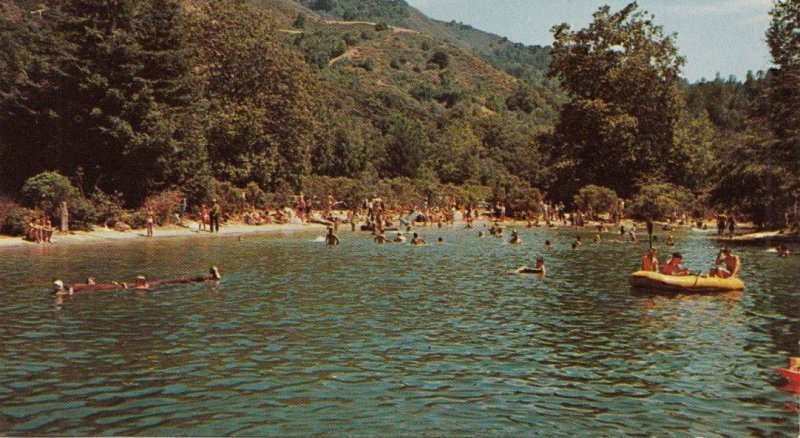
x=301, y=338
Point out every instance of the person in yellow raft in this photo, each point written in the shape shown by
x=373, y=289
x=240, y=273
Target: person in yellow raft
x=674, y=267
x=650, y=261
x=732, y=262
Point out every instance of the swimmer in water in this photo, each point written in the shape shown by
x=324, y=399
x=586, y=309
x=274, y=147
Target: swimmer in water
x=418, y=241
x=400, y=238
x=597, y=238
x=538, y=269
x=547, y=244
x=380, y=239
x=515, y=239
x=480, y=234
x=440, y=241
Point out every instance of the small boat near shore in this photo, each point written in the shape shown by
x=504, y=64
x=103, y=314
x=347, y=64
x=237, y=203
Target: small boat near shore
x=654, y=281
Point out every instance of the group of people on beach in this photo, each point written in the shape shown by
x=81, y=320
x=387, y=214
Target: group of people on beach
x=726, y=265
x=40, y=230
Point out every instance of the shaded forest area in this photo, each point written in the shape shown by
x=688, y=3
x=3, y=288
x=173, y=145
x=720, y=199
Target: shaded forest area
x=122, y=103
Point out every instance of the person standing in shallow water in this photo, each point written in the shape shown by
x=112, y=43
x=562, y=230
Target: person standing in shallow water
x=331, y=238
x=216, y=210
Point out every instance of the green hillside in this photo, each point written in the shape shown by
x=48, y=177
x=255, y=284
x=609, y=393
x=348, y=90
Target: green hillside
x=524, y=62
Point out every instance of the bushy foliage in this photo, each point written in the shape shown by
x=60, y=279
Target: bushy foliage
x=109, y=207
x=440, y=59
x=14, y=218
x=596, y=198
x=164, y=205
x=46, y=191
x=256, y=196
x=658, y=201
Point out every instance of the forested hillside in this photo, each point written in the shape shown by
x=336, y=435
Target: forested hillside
x=128, y=99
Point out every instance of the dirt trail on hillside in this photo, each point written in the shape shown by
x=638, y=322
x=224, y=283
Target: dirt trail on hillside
x=349, y=53
x=368, y=23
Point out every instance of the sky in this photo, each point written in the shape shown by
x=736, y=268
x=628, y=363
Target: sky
x=715, y=36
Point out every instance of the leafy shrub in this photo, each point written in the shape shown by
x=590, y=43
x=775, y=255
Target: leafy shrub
x=136, y=219
x=13, y=217
x=300, y=21
x=351, y=39
x=658, y=201
x=46, y=191
x=367, y=64
x=164, y=205
x=522, y=198
x=255, y=196
x=382, y=26
x=109, y=208
x=228, y=196
x=596, y=198
x=200, y=190
x=440, y=59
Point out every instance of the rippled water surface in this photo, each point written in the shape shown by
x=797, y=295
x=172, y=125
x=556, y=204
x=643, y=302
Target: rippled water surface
x=301, y=338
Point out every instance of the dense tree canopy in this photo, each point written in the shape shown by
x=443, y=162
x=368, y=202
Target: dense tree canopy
x=622, y=73
x=127, y=98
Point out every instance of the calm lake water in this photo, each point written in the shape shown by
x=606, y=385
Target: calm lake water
x=304, y=339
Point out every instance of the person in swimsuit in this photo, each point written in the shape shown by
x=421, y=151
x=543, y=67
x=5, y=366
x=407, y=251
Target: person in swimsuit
x=650, y=261
x=418, y=241
x=732, y=262
x=380, y=239
x=331, y=238
x=674, y=267
x=538, y=269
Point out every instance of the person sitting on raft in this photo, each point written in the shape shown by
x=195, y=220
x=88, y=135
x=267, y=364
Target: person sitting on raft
x=673, y=266
x=331, y=238
x=650, y=261
x=515, y=239
x=732, y=262
x=418, y=241
x=538, y=269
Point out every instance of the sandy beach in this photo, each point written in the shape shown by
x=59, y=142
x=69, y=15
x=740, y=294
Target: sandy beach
x=101, y=234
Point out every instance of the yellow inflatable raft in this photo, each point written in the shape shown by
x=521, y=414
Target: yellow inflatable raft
x=683, y=284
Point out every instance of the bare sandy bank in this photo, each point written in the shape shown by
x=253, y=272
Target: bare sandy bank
x=101, y=234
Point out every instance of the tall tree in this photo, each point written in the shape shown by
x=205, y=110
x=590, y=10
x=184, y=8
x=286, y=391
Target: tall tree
x=783, y=38
x=117, y=104
x=261, y=95
x=622, y=72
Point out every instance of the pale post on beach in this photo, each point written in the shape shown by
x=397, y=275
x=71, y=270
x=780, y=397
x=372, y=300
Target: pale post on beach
x=64, y=225
x=478, y=124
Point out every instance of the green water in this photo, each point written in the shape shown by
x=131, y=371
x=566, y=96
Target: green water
x=360, y=339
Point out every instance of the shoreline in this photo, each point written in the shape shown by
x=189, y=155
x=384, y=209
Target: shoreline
x=233, y=229
x=101, y=234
